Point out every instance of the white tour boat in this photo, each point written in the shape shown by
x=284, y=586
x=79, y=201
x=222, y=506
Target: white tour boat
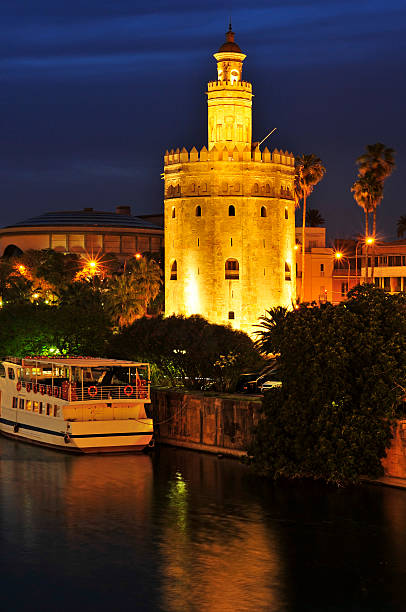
x=80, y=404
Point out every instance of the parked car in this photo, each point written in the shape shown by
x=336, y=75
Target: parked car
x=247, y=383
x=270, y=379
x=253, y=382
x=270, y=384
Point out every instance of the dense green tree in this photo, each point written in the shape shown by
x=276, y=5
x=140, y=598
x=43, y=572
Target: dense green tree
x=70, y=329
x=341, y=367
x=309, y=172
x=14, y=287
x=49, y=270
x=188, y=352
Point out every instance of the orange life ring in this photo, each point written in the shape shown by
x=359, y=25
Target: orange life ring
x=35, y=388
x=42, y=389
x=19, y=385
x=56, y=391
x=49, y=390
x=92, y=391
x=28, y=387
x=128, y=390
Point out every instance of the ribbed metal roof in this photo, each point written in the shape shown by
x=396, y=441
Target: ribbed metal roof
x=86, y=218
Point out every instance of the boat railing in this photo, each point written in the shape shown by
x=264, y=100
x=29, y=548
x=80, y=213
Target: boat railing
x=76, y=393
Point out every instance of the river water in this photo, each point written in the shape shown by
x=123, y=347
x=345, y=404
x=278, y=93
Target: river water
x=179, y=530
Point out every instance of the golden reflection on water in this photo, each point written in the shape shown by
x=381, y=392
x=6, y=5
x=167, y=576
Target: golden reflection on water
x=185, y=515
x=217, y=558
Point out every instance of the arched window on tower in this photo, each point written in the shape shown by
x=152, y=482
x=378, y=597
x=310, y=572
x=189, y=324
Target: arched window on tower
x=263, y=211
x=173, y=212
x=198, y=211
x=286, y=213
x=231, y=211
x=232, y=269
x=234, y=76
x=174, y=271
x=256, y=188
x=288, y=275
x=267, y=188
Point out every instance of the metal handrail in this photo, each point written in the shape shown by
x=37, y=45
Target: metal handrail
x=72, y=393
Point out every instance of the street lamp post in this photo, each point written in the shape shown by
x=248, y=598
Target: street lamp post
x=339, y=256
x=368, y=240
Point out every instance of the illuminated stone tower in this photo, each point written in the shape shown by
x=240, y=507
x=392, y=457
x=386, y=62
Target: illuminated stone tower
x=229, y=213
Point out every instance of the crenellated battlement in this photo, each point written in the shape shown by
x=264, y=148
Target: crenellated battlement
x=238, y=154
x=243, y=85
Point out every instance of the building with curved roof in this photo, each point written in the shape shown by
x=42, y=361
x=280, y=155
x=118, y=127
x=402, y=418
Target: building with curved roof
x=86, y=231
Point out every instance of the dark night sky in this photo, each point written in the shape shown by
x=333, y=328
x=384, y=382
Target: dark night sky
x=93, y=92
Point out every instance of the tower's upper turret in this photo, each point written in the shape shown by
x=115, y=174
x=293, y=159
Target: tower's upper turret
x=229, y=59
x=229, y=99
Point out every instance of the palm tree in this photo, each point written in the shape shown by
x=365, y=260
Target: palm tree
x=314, y=218
x=270, y=332
x=123, y=300
x=309, y=172
x=401, y=226
x=379, y=162
x=147, y=277
x=367, y=192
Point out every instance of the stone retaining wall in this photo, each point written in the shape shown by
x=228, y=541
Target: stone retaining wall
x=223, y=424
x=394, y=463
x=218, y=424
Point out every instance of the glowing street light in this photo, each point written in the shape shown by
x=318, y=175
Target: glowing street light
x=367, y=240
x=138, y=256
x=339, y=256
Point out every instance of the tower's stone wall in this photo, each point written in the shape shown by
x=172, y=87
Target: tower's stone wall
x=202, y=240
x=229, y=213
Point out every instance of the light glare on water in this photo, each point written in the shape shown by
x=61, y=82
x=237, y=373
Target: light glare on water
x=180, y=530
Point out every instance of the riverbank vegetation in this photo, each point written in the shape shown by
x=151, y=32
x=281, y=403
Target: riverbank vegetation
x=188, y=352
x=54, y=303
x=57, y=303
x=342, y=370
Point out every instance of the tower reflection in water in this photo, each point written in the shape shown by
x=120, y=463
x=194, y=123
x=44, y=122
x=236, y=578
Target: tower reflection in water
x=217, y=553
x=177, y=531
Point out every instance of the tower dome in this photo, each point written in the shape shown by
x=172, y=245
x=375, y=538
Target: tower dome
x=230, y=45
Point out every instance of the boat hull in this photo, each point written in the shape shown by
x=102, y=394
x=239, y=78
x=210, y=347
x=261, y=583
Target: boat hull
x=83, y=437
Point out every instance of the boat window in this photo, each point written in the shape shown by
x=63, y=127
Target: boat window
x=35, y=406
x=11, y=373
x=15, y=402
x=49, y=409
x=2, y=371
x=28, y=405
x=56, y=410
x=40, y=407
x=21, y=404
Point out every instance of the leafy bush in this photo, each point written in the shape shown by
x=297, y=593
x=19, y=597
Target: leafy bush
x=70, y=329
x=341, y=367
x=188, y=352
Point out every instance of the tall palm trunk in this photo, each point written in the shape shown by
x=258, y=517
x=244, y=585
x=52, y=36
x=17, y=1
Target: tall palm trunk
x=373, y=244
x=366, y=244
x=303, y=248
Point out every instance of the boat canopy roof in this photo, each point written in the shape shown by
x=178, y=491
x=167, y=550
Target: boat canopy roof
x=81, y=362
